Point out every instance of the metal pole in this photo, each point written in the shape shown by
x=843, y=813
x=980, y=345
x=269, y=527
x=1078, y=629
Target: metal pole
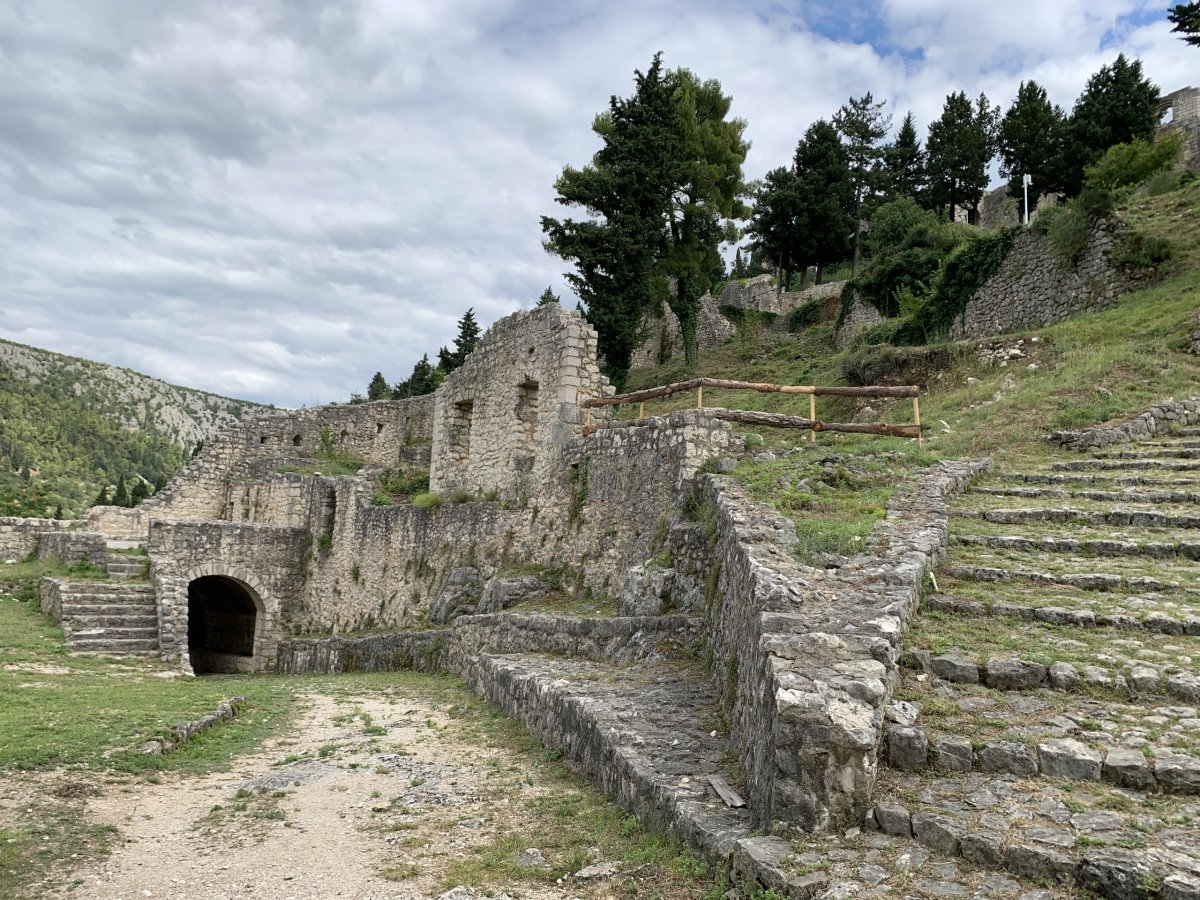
x=1025, y=183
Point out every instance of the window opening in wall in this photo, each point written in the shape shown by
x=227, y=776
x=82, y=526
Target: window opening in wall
x=345, y=435
x=296, y=441
x=262, y=439
x=526, y=424
x=1167, y=116
x=461, y=414
x=379, y=428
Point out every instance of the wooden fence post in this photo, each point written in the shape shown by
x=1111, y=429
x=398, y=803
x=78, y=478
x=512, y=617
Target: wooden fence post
x=642, y=410
x=917, y=420
x=700, y=397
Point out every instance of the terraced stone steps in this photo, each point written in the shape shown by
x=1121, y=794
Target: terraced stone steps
x=1046, y=720
x=122, y=567
x=109, y=618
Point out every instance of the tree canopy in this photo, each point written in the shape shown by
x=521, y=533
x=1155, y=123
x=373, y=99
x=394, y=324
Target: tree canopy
x=1186, y=18
x=961, y=144
x=1031, y=143
x=862, y=124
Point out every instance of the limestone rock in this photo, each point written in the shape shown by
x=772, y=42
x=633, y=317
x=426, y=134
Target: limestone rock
x=459, y=595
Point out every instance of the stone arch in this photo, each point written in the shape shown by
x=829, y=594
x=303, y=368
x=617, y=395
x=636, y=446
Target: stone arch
x=228, y=623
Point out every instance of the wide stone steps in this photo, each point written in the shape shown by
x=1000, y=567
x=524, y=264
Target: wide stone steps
x=1068, y=515
x=1158, y=452
x=1088, y=581
x=1101, y=496
x=1106, y=548
x=121, y=566
x=109, y=618
x=1160, y=465
x=1054, y=834
x=1156, y=480
x=1153, y=622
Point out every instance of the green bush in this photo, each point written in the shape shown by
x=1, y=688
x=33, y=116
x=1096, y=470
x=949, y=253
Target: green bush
x=963, y=273
x=1127, y=165
x=806, y=315
x=891, y=224
x=1068, y=229
x=1140, y=251
x=401, y=483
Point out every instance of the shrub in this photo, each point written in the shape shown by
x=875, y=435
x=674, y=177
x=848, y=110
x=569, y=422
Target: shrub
x=428, y=500
x=964, y=272
x=1068, y=229
x=401, y=483
x=892, y=222
x=1127, y=165
x=1141, y=251
x=806, y=315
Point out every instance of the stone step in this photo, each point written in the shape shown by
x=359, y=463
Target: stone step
x=1013, y=673
x=1190, y=443
x=1160, y=480
x=89, y=619
x=113, y=544
x=1045, y=832
x=75, y=589
x=133, y=564
x=108, y=608
x=119, y=653
x=112, y=645
x=1102, y=496
x=1191, y=431
x=1160, y=465
x=1116, y=517
x=1105, y=548
x=1088, y=581
x=1154, y=622
x=1150, y=453
x=77, y=631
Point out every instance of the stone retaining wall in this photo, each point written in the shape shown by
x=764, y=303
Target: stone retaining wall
x=74, y=546
x=806, y=660
x=1032, y=288
x=1160, y=418
x=859, y=317
x=19, y=537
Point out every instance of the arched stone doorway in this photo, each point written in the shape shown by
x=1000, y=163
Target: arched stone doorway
x=224, y=616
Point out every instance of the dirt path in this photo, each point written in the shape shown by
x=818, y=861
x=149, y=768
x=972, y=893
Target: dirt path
x=366, y=797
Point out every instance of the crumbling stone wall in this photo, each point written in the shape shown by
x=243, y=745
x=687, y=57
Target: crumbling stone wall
x=1033, y=288
x=1183, y=106
x=19, y=537
x=861, y=316
x=379, y=433
x=662, y=335
x=501, y=419
x=73, y=546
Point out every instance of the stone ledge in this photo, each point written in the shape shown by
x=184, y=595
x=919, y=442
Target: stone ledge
x=1153, y=421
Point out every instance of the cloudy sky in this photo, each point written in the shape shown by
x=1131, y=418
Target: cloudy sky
x=273, y=200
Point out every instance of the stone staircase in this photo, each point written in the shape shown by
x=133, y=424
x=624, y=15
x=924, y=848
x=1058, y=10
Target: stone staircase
x=108, y=619
x=1046, y=727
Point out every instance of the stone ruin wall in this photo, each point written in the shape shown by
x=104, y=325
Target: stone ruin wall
x=1184, y=107
x=861, y=316
x=375, y=432
x=662, y=335
x=501, y=419
x=1032, y=288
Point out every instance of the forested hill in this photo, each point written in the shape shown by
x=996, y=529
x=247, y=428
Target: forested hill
x=71, y=427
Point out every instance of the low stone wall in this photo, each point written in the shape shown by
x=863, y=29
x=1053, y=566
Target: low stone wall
x=861, y=316
x=182, y=732
x=19, y=537
x=761, y=293
x=1160, y=418
x=1032, y=288
x=806, y=660
x=74, y=546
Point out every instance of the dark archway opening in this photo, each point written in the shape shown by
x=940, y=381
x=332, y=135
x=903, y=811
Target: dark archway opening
x=222, y=615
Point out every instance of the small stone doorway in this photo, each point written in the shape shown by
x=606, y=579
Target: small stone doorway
x=223, y=615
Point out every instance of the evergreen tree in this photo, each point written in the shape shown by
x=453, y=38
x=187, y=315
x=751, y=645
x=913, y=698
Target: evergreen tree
x=424, y=380
x=58, y=512
x=960, y=146
x=777, y=229
x=1118, y=106
x=141, y=490
x=1031, y=143
x=548, y=297
x=739, y=264
x=707, y=185
x=378, y=388
x=1186, y=17
x=904, y=163
x=102, y=497
x=159, y=483
x=862, y=125
x=825, y=189
x=121, y=497
x=468, y=337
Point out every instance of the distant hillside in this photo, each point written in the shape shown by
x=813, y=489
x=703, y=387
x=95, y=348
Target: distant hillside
x=69, y=426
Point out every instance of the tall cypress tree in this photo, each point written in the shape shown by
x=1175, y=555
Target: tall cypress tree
x=825, y=189
x=378, y=388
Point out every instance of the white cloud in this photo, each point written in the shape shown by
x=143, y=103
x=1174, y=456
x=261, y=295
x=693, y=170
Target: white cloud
x=275, y=199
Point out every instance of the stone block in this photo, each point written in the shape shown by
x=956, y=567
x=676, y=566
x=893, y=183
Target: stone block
x=938, y=832
x=952, y=753
x=1069, y=758
x=1015, y=674
x=893, y=818
x=983, y=849
x=1178, y=774
x=908, y=748
x=1063, y=676
x=1116, y=873
x=1040, y=863
x=1006, y=758
x=956, y=667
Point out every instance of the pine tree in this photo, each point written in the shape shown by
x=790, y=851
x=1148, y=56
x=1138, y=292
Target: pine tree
x=862, y=125
x=778, y=227
x=1031, y=143
x=378, y=388
x=739, y=264
x=961, y=144
x=548, y=297
x=1118, y=106
x=825, y=190
x=141, y=490
x=904, y=163
x=58, y=513
x=1186, y=17
x=102, y=497
x=121, y=497
x=468, y=337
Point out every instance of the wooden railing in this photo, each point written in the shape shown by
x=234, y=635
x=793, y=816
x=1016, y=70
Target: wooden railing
x=777, y=420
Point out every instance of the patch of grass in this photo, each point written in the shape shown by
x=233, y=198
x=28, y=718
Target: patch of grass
x=48, y=836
